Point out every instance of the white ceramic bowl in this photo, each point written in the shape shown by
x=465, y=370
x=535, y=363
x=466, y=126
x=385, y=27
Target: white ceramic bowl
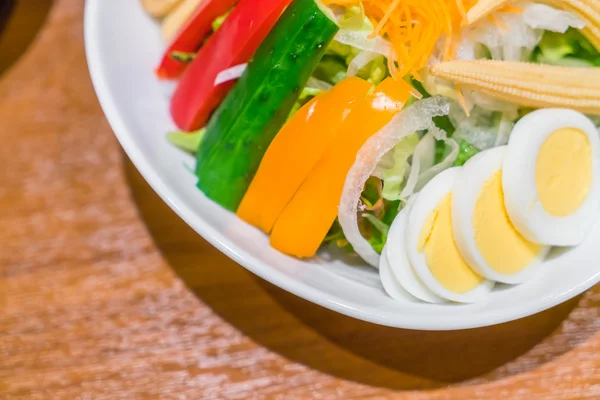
x=123, y=46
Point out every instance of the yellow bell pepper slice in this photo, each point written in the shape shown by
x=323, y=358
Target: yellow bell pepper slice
x=296, y=150
x=301, y=228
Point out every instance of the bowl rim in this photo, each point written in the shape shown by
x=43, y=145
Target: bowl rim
x=272, y=275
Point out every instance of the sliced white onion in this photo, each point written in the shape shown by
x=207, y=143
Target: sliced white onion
x=425, y=150
x=413, y=177
x=318, y=84
x=230, y=74
x=423, y=169
x=525, y=32
x=430, y=173
x=504, y=130
x=541, y=16
x=360, y=61
x=422, y=159
x=360, y=40
x=415, y=118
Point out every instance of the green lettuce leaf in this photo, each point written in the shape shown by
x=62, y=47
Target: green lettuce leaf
x=567, y=49
x=465, y=152
x=331, y=69
x=186, y=141
x=395, y=175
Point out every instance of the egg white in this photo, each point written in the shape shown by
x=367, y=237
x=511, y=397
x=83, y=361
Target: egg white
x=390, y=283
x=519, y=181
x=397, y=260
x=465, y=193
x=428, y=201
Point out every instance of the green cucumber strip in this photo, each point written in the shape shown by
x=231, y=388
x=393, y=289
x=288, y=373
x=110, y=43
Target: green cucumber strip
x=241, y=129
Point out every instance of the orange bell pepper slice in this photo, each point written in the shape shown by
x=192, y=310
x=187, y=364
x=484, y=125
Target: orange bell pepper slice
x=301, y=228
x=295, y=151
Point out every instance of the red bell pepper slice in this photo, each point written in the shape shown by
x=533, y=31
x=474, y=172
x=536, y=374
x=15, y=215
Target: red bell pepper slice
x=190, y=36
x=235, y=42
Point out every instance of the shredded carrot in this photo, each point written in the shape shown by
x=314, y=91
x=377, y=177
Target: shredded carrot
x=461, y=9
x=385, y=19
x=417, y=76
x=462, y=102
x=511, y=9
x=392, y=65
x=414, y=27
x=416, y=94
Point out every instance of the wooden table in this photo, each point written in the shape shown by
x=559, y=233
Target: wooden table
x=105, y=293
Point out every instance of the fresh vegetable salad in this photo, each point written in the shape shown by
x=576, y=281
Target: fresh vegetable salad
x=448, y=143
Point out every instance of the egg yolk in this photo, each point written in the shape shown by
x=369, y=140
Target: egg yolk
x=563, y=172
x=502, y=247
x=442, y=256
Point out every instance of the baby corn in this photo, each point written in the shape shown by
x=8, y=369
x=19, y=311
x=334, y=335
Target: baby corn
x=587, y=10
x=526, y=84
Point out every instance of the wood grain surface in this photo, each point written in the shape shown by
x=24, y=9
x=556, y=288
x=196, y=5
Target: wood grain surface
x=106, y=294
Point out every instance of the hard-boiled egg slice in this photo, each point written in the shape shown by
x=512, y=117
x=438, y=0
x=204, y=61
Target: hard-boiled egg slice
x=397, y=261
x=431, y=248
x=390, y=283
x=550, y=176
x=483, y=232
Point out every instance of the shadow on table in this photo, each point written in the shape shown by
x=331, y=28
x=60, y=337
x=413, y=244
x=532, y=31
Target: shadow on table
x=20, y=21
x=345, y=347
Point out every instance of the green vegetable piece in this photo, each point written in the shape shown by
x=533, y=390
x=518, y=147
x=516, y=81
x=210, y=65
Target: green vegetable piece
x=377, y=241
x=555, y=46
x=241, y=129
x=219, y=21
x=465, y=152
x=570, y=49
x=375, y=71
x=182, y=56
x=341, y=50
x=482, y=52
x=306, y=95
x=353, y=17
x=186, y=141
x=378, y=71
x=394, y=176
x=331, y=69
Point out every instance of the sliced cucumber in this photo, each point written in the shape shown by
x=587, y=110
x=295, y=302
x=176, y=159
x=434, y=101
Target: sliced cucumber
x=244, y=125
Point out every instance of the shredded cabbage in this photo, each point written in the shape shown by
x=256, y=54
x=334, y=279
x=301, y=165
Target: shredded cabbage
x=359, y=40
x=524, y=32
x=488, y=40
x=351, y=17
x=360, y=61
